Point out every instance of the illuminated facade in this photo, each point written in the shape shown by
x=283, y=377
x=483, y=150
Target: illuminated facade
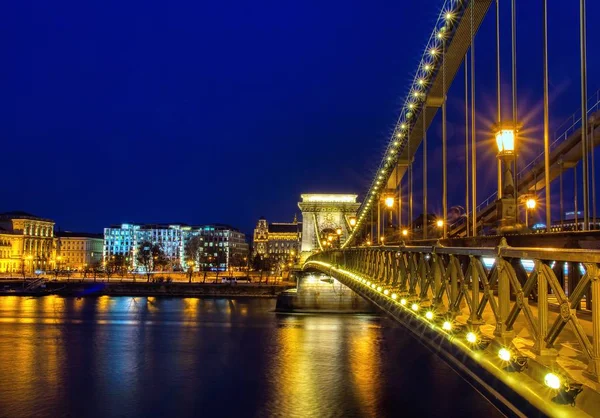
x=221, y=242
x=323, y=215
x=168, y=237
x=278, y=240
x=121, y=240
x=76, y=251
x=26, y=243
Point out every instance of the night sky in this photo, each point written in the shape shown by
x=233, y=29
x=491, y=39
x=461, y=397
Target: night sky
x=201, y=112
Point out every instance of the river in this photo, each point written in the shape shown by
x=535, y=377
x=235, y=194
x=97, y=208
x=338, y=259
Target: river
x=171, y=357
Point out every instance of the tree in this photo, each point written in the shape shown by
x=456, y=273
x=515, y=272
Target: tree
x=193, y=251
x=144, y=257
x=159, y=258
x=151, y=256
x=220, y=258
x=119, y=263
x=95, y=267
x=235, y=260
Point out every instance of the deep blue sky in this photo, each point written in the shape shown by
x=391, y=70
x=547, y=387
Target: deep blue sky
x=204, y=112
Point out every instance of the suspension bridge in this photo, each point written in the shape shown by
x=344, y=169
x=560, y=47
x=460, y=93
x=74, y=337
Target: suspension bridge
x=510, y=305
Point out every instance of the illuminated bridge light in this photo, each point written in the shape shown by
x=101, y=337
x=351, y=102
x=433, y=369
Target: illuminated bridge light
x=429, y=315
x=447, y=326
x=504, y=354
x=394, y=296
x=414, y=307
x=379, y=288
x=386, y=292
x=402, y=301
x=472, y=337
x=552, y=381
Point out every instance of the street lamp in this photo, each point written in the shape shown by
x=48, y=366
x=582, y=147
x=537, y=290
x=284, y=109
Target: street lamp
x=405, y=232
x=439, y=223
x=530, y=205
x=506, y=207
x=389, y=202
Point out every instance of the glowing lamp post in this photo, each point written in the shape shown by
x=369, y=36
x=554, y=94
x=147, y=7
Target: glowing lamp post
x=506, y=205
x=353, y=222
x=389, y=203
x=530, y=205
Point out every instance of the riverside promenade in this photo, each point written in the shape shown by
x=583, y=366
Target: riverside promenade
x=88, y=287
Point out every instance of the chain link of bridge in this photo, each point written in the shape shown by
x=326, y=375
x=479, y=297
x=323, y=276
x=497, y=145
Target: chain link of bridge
x=535, y=329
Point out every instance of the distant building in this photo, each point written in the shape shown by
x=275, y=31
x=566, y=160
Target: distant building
x=77, y=250
x=280, y=241
x=168, y=237
x=221, y=243
x=121, y=240
x=26, y=242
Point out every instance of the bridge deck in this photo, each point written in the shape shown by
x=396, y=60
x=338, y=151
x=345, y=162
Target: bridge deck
x=536, y=314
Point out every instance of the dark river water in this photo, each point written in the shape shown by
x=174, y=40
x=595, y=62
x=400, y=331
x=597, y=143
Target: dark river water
x=147, y=357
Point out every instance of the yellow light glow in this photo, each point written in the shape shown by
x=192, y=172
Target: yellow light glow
x=504, y=354
x=429, y=315
x=352, y=221
x=386, y=292
x=389, y=201
x=427, y=67
x=447, y=325
x=368, y=242
x=330, y=238
x=405, y=232
x=552, y=381
x=440, y=223
x=421, y=81
x=394, y=296
x=414, y=307
x=472, y=337
x=531, y=203
x=505, y=139
x=338, y=231
x=403, y=301
x=373, y=285
x=379, y=288
x=329, y=198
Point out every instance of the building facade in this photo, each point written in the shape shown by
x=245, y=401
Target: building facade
x=221, y=243
x=77, y=251
x=121, y=240
x=224, y=246
x=279, y=241
x=26, y=243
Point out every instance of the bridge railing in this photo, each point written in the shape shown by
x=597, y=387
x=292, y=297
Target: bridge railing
x=454, y=282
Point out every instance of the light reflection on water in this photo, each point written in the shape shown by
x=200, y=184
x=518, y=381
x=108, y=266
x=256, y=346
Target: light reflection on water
x=153, y=357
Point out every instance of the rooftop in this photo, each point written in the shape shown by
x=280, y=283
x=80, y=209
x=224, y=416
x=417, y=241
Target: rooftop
x=19, y=214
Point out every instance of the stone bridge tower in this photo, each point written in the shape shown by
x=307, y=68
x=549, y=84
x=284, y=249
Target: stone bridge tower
x=322, y=215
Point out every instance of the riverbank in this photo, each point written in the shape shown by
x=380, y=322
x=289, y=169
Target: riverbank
x=174, y=289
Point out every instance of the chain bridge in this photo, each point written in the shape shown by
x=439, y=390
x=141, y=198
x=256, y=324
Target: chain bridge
x=509, y=303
